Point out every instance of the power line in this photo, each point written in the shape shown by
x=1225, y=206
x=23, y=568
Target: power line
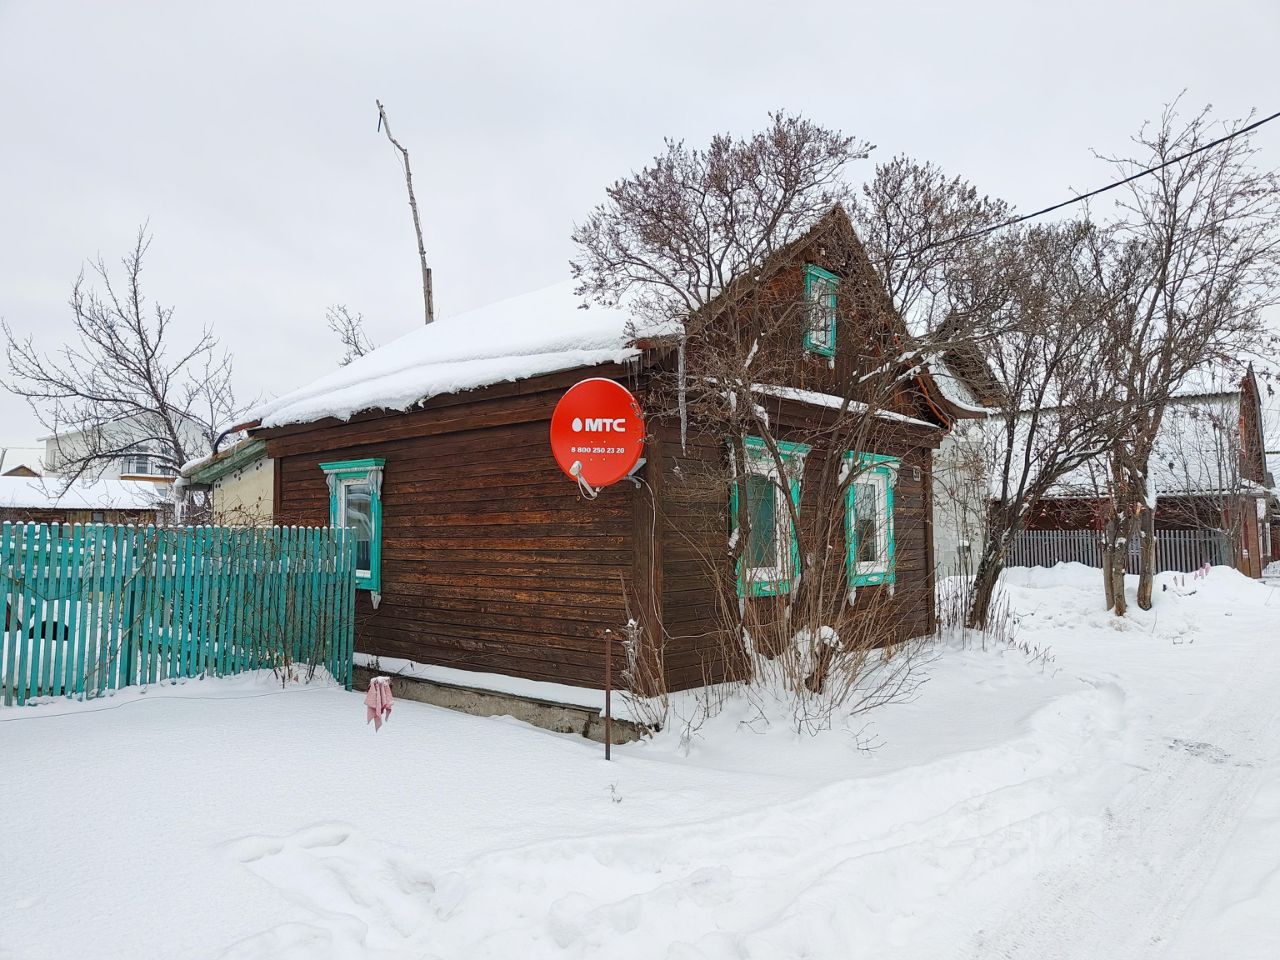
x=974, y=234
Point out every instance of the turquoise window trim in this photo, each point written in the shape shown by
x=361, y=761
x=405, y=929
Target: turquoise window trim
x=813, y=275
x=338, y=471
x=353, y=466
x=886, y=468
x=793, y=453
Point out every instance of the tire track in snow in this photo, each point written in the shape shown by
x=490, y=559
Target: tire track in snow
x=1123, y=897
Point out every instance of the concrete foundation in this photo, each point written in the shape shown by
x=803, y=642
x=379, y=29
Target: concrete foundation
x=558, y=717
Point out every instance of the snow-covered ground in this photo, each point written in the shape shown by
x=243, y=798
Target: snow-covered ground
x=1119, y=799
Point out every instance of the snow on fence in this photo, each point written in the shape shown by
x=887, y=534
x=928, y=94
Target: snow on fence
x=1179, y=550
x=96, y=607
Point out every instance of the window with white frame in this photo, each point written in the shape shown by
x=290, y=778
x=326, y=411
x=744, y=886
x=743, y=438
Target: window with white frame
x=869, y=518
x=769, y=558
x=140, y=461
x=355, y=503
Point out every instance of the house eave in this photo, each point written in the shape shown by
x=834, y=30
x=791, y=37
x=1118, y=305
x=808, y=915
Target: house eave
x=241, y=455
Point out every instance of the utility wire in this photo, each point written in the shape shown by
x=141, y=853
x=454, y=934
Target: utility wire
x=982, y=232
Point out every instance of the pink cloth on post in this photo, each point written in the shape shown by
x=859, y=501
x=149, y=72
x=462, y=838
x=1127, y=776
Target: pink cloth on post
x=378, y=701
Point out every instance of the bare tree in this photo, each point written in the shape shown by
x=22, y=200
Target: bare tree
x=349, y=329
x=1195, y=267
x=1055, y=411
x=926, y=233
x=428, y=301
x=922, y=229
x=674, y=236
x=121, y=386
x=1016, y=312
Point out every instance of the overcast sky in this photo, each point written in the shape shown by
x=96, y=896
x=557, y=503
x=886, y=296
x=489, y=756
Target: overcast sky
x=245, y=133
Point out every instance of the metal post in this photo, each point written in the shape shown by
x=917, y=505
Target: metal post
x=608, y=692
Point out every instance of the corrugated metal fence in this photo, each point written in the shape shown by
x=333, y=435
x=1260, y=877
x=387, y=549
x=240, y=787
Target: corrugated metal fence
x=1180, y=550
x=97, y=607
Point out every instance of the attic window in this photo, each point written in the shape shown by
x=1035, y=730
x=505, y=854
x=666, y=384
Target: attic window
x=820, y=310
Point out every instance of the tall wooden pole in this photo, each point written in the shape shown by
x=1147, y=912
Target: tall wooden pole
x=427, y=296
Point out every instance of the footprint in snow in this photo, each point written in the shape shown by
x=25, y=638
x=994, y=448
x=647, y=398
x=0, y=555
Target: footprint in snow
x=1207, y=751
x=364, y=896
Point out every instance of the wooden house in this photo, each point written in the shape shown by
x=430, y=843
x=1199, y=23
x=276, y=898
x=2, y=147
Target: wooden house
x=478, y=553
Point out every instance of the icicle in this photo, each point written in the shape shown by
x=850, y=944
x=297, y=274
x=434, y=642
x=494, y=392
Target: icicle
x=680, y=396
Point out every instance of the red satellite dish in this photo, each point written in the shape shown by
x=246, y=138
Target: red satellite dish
x=597, y=432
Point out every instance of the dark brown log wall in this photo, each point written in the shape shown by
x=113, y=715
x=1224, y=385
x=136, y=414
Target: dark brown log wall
x=695, y=527
x=491, y=560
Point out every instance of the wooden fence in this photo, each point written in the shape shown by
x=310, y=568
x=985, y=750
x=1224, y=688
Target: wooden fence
x=97, y=607
x=1180, y=550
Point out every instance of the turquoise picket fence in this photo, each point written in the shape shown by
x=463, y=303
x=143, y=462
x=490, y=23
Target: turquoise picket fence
x=98, y=607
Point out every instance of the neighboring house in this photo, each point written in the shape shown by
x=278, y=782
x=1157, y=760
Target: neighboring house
x=477, y=553
x=961, y=464
x=20, y=461
x=141, y=457
x=1271, y=526
x=240, y=481
x=49, y=500
x=961, y=475
x=1208, y=471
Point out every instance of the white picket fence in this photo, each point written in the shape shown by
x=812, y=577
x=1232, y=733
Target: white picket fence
x=1180, y=550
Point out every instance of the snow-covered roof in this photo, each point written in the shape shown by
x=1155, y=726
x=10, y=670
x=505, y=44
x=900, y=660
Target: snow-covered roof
x=1215, y=378
x=47, y=493
x=954, y=390
x=833, y=402
x=1197, y=451
x=1198, y=447
x=538, y=333
x=212, y=466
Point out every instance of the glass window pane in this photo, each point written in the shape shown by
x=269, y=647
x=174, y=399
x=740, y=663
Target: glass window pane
x=357, y=514
x=762, y=514
x=866, y=526
x=821, y=311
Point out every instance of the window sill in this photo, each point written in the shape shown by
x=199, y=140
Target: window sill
x=870, y=579
x=764, y=588
x=826, y=353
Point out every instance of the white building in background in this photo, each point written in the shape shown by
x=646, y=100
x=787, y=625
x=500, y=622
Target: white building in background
x=140, y=461
x=961, y=492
